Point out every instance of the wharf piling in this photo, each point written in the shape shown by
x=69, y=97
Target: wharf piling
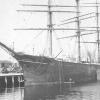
x=8, y=80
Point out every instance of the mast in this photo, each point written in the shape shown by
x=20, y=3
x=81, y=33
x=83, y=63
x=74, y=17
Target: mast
x=50, y=27
x=13, y=46
x=97, y=25
x=78, y=31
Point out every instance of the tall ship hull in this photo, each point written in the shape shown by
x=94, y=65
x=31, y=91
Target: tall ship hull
x=41, y=71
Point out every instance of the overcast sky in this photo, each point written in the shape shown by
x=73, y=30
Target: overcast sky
x=25, y=41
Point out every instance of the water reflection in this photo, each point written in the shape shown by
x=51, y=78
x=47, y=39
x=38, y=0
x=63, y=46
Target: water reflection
x=36, y=92
x=12, y=94
x=40, y=92
x=86, y=92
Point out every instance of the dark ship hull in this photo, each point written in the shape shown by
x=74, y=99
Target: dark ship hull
x=41, y=71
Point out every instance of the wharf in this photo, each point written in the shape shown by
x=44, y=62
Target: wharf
x=10, y=74
x=11, y=80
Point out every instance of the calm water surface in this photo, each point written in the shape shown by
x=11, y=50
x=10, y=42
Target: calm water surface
x=87, y=92
x=12, y=94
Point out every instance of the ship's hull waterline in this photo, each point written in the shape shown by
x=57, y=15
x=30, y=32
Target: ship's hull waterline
x=42, y=71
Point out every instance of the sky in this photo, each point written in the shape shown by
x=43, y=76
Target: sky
x=35, y=42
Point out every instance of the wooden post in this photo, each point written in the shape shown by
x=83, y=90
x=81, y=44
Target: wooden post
x=19, y=80
x=70, y=83
x=6, y=81
x=13, y=80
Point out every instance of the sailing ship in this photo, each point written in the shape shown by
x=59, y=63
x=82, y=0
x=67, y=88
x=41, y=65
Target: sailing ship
x=43, y=70
x=48, y=70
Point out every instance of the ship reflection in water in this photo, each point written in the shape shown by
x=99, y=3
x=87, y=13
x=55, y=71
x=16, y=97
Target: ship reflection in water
x=90, y=91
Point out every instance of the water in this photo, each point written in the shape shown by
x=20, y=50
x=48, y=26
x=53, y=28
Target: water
x=12, y=94
x=90, y=91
